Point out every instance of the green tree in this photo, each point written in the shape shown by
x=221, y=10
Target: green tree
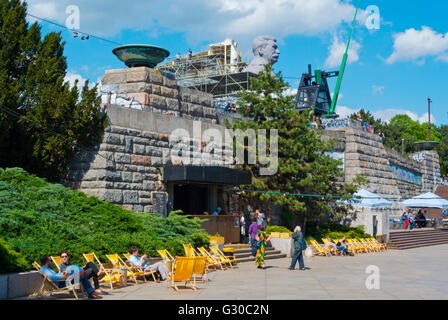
x=442, y=149
x=303, y=166
x=43, y=121
x=367, y=117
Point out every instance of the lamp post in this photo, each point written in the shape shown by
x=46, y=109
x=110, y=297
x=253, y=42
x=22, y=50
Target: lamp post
x=402, y=147
x=429, y=118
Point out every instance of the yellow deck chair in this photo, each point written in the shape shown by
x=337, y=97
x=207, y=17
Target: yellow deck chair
x=150, y=272
x=211, y=261
x=361, y=246
x=132, y=272
x=189, y=250
x=381, y=245
x=200, y=269
x=112, y=275
x=48, y=282
x=165, y=255
x=57, y=261
x=321, y=251
x=333, y=249
x=368, y=245
x=356, y=248
x=226, y=259
x=374, y=245
x=167, y=259
x=182, y=271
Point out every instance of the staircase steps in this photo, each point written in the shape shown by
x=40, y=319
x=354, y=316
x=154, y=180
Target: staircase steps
x=417, y=238
x=245, y=254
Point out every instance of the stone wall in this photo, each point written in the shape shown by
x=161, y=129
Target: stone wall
x=143, y=88
x=365, y=155
x=407, y=189
x=127, y=167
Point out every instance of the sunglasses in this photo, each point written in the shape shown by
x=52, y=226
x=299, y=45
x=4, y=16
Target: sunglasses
x=64, y=257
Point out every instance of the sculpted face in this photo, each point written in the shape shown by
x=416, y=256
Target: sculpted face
x=270, y=51
x=265, y=51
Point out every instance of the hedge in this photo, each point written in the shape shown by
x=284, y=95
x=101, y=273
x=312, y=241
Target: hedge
x=39, y=218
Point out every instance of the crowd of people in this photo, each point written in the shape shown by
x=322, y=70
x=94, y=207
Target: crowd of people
x=231, y=107
x=317, y=123
x=412, y=219
x=369, y=128
x=444, y=181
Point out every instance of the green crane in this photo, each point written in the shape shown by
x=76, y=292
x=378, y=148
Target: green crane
x=331, y=112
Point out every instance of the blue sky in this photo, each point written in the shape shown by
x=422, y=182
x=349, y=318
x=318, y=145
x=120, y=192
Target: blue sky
x=392, y=70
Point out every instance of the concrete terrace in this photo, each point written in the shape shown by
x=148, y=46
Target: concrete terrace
x=408, y=274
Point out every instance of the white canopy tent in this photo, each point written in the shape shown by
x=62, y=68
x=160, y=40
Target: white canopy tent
x=368, y=199
x=426, y=200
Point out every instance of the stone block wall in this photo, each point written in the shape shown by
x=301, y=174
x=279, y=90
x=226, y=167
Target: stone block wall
x=366, y=155
x=144, y=88
x=407, y=189
x=429, y=163
x=126, y=168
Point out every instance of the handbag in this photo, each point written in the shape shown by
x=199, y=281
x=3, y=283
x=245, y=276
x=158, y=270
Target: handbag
x=303, y=245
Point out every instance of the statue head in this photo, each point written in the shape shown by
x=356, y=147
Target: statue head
x=265, y=47
x=265, y=52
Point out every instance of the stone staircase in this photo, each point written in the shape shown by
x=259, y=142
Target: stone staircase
x=244, y=253
x=401, y=239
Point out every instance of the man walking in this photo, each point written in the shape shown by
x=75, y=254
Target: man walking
x=299, y=246
x=253, y=230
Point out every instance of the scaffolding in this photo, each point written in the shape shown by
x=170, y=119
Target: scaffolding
x=218, y=71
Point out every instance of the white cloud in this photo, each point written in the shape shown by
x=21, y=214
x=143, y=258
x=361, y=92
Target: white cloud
x=290, y=92
x=340, y=96
x=424, y=118
x=386, y=114
x=345, y=112
x=42, y=9
x=378, y=89
x=337, y=50
x=416, y=45
x=71, y=77
x=204, y=20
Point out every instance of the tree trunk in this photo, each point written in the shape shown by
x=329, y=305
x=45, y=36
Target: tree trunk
x=304, y=226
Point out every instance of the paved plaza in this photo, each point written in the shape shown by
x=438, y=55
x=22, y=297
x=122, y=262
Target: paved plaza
x=409, y=274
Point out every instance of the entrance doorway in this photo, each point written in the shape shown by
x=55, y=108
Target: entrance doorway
x=191, y=198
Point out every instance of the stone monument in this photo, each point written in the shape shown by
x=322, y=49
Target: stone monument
x=265, y=51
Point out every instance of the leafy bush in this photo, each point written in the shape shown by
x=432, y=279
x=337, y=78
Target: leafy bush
x=335, y=231
x=50, y=218
x=10, y=260
x=270, y=229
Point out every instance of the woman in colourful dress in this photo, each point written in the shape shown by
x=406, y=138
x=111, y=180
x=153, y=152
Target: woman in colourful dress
x=261, y=241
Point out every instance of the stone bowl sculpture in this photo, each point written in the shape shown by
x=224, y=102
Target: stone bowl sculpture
x=426, y=145
x=140, y=55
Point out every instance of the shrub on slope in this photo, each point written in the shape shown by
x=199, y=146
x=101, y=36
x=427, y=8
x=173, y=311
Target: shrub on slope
x=42, y=218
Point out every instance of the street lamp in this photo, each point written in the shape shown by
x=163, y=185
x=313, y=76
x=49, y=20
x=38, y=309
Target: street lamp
x=402, y=147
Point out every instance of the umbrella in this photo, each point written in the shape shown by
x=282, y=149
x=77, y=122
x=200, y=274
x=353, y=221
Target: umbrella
x=427, y=200
x=368, y=199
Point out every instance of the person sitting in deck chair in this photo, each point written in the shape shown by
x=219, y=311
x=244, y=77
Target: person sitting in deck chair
x=342, y=245
x=330, y=244
x=90, y=271
x=59, y=278
x=143, y=263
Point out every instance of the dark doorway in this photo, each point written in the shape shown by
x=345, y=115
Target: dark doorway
x=190, y=198
x=375, y=226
